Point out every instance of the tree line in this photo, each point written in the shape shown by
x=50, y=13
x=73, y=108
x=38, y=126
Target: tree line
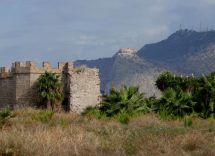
x=181, y=97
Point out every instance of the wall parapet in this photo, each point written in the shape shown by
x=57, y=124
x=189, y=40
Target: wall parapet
x=31, y=67
x=5, y=72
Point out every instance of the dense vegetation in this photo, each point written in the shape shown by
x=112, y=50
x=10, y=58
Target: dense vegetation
x=187, y=95
x=121, y=104
x=181, y=97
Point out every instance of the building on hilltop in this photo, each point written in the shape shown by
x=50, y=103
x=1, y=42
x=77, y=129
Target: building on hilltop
x=126, y=52
x=18, y=85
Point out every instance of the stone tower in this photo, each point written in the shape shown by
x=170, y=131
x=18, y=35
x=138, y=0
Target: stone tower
x=18, y=85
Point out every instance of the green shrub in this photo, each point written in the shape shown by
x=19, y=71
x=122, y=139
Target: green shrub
x=205, y=96
x=164, y=115
x=167, y=80
x=93, y=111
x=201, y=90
x=41, y=115
x=122, y=104
x=128, y=99
x=122, y=117
x=188, y=121
x=151, y=103
x=5, y=113
x=176, y=103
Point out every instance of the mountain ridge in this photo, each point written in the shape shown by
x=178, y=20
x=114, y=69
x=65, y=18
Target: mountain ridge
x=177, y=52
x=184, y=52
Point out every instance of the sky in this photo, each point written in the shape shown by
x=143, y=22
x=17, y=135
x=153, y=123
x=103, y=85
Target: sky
x=67, y=30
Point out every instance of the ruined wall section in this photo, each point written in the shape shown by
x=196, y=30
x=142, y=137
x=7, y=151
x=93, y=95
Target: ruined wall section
x=84, y=89
x=18, y=86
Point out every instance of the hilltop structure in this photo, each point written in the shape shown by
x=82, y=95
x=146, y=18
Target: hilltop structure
x=127, y=52
x=18, y=85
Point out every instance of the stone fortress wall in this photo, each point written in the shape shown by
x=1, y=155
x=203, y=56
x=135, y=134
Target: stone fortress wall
x=18, y=85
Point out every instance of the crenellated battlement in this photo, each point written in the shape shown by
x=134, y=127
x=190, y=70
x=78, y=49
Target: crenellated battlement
x=5, y=72
x=81, y=86
x=31, y=67
x=45, y=65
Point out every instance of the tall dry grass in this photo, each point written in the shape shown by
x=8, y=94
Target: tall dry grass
x=69, y=134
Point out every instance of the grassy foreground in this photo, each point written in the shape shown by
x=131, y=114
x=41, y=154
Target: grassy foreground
x=37, y=132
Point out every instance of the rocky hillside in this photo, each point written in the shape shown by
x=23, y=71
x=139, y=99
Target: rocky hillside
x=125, y=68
x=184, y=52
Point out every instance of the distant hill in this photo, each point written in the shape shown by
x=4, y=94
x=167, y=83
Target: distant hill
x=125, y=68
x=183, y=52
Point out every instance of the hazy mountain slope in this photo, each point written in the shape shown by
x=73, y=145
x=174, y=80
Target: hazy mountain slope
x=132, y=70
x=126, y=68
x=183, y=52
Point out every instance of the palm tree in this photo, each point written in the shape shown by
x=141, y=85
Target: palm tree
x=127, y=99
x=176, y=103
x=49, y=89
x=205, y=96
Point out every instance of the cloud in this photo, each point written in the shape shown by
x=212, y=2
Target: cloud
x=65, y=29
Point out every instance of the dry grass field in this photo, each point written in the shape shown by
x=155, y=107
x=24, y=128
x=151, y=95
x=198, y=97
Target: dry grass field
x=41, y=133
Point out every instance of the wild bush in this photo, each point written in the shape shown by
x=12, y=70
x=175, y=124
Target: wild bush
x=176, y=103
x=5, y=113
x=205, y=96
x=128, y=99
x=167, y=80
x=198, y=93
x=94, y=111
x=122, y=117
x=41, y=115
x=188, y=121
x=121, y=105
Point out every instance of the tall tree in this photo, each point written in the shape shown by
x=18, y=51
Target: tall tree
x=50, y=89
x=205, y=96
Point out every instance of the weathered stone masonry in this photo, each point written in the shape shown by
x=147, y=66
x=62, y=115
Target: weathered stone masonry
x=18, y=85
